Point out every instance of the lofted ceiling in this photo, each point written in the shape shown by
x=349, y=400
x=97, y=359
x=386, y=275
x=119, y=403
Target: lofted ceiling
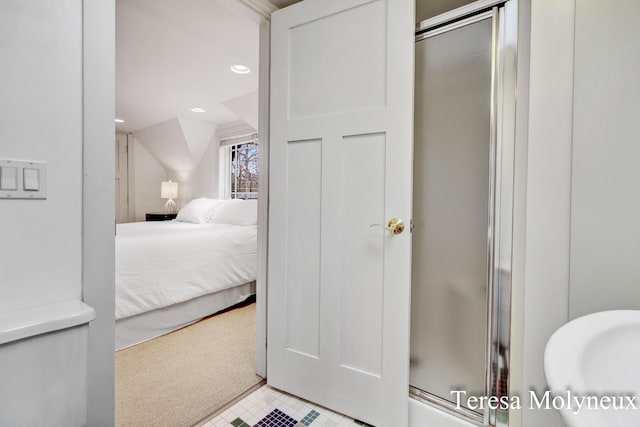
x=175, y=55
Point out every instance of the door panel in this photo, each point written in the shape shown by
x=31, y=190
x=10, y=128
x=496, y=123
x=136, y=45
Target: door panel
x=341, y=146
x=325, y=80
x=304, y=165
x=362, y=253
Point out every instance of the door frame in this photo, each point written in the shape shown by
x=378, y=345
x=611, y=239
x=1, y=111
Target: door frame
x=130, y=187
x=260, y=11
x=98, y=197
x=98, y=204
x=263, y=194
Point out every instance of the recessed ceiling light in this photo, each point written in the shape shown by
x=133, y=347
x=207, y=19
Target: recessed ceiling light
x=240, y=69
x=198, y=110
x=119, y=121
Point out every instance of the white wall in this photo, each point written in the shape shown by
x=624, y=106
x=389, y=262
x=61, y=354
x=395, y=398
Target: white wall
x=41, y=119
x=56, y=82
x=582, y=235
x=187, y=150
x=245, y=106
x=201, y=181
x=166, y=141
x=605, y=208
x=542, y=198
x=147, y=176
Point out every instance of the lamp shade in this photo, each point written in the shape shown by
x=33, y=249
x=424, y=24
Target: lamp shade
x=169, y=190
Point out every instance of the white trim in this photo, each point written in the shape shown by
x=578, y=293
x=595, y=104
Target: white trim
x=123, y=210
x=224, y=163
x=516, y=386
x=230, y=130
x=263, y=7
x=263, y=199
x=131, y=176
x=548, y=197
x=238, y=139
x=224, y=173
x=33, y=321
x=98, y=204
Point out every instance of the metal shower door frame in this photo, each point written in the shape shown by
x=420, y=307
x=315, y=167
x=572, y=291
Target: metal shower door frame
x=501, y=170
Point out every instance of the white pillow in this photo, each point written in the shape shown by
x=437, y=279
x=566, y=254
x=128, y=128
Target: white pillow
x=236, y=211
x=198, y=211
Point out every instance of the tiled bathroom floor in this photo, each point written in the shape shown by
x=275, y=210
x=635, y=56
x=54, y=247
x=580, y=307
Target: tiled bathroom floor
x=268, y=407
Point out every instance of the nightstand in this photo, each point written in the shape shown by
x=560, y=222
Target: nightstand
x=159, y=216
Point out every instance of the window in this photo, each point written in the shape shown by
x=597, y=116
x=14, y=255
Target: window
x=239, y=168
x=244, y=170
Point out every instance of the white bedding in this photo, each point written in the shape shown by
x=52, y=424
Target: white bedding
x=167, y=262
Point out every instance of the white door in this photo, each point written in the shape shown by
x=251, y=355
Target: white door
x=341, y=160
x=122, y=179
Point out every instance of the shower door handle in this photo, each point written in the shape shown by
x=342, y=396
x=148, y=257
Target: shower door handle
x=394, y=226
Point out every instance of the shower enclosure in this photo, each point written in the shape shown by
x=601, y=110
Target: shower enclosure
x=463, y=175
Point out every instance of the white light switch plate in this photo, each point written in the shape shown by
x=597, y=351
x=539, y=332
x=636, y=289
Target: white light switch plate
x=23, y=179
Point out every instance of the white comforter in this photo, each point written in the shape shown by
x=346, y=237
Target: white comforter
x=167, y=262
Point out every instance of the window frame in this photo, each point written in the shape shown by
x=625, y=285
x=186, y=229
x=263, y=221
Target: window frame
x=228, y=146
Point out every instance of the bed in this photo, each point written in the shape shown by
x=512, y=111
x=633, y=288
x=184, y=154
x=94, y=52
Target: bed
x=170, y=274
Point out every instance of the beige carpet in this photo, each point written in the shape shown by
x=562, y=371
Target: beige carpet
x=178, y=379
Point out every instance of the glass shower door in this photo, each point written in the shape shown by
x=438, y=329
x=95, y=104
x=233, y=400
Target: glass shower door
x=452, y=197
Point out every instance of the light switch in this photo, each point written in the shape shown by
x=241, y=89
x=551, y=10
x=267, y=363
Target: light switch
x=31, y=179
x=23, y=179
x=8, y=178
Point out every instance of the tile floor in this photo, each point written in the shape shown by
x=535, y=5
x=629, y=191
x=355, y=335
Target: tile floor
x=268, y=407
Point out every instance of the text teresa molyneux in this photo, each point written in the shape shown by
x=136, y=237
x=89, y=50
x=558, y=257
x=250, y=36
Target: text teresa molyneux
x=561, y=401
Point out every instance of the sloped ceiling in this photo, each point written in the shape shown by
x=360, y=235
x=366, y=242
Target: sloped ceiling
x=177, y=144
x=197, y=136
x=175, y=55
x=245, y=106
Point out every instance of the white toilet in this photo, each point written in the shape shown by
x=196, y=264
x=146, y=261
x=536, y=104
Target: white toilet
x=43, y=365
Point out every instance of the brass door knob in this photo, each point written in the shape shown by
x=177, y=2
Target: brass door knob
x=394, y=226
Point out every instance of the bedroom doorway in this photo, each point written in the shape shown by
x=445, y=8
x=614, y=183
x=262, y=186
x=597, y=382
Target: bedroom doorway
x=183, y=146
